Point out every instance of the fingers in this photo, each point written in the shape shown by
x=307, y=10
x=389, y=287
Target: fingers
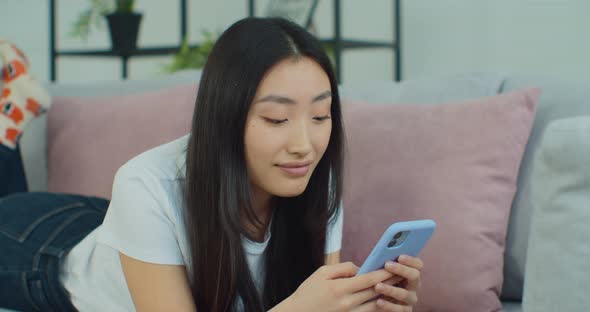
x=384, y=305
x=410, y=273
x=400, y=294
x=363, y=296
x=345, y=269
x=367, y=280
x=360, y=299
x=410, y=261
x=394, y=280
x=415, y=263
x=370, y=306
x=401, y=298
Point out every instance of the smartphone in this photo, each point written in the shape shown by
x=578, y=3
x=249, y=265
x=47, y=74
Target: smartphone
x=401, y=238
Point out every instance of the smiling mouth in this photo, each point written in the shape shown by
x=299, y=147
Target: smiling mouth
x=296, y=169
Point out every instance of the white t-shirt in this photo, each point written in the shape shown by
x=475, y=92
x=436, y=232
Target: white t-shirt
x=145, y=221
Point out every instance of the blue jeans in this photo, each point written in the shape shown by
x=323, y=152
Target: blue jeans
x=12, y=173
x=36, y=231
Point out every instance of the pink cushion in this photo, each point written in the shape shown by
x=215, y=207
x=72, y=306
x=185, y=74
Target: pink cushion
x=455, y=163
x=89, y=138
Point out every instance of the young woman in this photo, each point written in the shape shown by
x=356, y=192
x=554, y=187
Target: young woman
x=242, y=214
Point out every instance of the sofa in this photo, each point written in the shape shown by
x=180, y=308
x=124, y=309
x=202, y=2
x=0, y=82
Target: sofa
x=559, y=100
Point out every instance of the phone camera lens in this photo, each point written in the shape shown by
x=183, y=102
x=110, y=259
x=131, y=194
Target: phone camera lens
x=398, y=235
x=392, y=243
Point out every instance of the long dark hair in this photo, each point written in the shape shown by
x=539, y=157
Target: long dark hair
x=217, y=188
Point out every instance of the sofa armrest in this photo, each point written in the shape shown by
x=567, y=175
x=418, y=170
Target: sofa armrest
x=33, y=147
x=557, y=267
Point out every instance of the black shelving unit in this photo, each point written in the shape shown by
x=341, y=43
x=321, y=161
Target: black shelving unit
x=341, y=44
x=142, y=51
x=338, y=42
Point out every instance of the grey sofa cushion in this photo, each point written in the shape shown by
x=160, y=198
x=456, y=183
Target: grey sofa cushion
x=559, y=99
x=512, y=306
x=124, y=87
x=432, y=90
x=458, y=87
x=33, y=141
x=557, y=266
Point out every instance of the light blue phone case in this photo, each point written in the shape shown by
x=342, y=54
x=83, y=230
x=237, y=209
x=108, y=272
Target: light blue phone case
x=418, y=233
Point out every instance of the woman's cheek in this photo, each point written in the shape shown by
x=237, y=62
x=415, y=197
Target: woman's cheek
x=324, y=138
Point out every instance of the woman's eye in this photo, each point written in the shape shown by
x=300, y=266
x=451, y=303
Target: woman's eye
x=321, y=118
x=275, y=121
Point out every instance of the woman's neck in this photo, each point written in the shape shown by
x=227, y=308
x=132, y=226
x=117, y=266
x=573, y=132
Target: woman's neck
x=262, y=208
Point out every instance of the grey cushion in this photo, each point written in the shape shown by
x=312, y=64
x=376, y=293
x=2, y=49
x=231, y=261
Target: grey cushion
x=559, y=99
x=124, y=87
x=431, y=90
x=376, y=91
x=557, y=266
x=512, y=306
x=458, y=87
x=33, y=142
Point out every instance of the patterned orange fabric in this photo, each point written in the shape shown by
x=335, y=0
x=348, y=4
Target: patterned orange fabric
x=12, y=135
x=22, y=98
x=13, y=70
x=34, y=107
x=8, y=109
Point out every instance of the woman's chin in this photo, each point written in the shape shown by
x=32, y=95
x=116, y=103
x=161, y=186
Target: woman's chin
x=290, y=190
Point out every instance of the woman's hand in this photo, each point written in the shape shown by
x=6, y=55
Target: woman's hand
x=334, y=288
x=401, y=296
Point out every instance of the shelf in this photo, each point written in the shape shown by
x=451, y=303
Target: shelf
x=147, y=51
x=167, y=50
x=338, y=42
x=55, y=52
x=359, y=44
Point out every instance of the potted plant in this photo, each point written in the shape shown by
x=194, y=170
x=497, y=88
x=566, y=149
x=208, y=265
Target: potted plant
x=189, y=57
x=122, y=20
x=124, y=26
x=192, y=57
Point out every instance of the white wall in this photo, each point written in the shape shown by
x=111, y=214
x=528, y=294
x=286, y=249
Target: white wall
x=548, y=37
x=439, y=36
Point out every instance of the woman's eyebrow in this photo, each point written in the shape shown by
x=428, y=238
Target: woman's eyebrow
x=285, y=100
x=323, y=95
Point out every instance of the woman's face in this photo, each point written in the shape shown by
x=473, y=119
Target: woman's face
x=288, y=127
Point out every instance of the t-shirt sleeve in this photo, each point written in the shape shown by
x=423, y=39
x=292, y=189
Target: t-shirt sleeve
x=334, y=233
x=137, y=222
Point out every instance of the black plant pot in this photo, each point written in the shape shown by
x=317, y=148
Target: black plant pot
x=124, y=28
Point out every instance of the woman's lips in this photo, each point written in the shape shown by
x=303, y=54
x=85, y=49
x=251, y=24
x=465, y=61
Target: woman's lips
x=299, y=171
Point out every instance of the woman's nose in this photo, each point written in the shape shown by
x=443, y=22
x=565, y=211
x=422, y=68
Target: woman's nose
x=299, y=140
